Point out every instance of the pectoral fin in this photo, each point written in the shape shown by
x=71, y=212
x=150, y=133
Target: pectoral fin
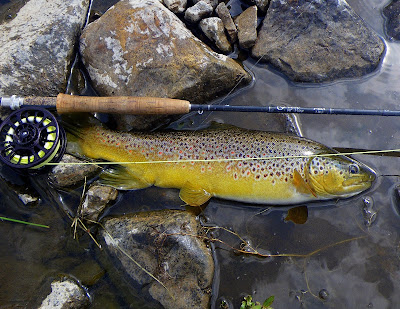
x=301, y=185
x=121, y=178
x=193, y=196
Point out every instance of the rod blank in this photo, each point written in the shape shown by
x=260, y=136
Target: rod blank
x=295, y=110
x=151, y=106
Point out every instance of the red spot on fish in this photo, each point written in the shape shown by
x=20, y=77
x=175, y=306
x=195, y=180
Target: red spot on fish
x=160, y=153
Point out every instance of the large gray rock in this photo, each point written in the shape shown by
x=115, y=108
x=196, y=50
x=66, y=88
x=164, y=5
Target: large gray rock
x=165, y=244
x=37, y=47
x=140, y=48
x=317, y=41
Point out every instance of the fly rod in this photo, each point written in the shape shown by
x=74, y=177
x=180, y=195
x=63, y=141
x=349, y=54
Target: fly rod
x=150, y=106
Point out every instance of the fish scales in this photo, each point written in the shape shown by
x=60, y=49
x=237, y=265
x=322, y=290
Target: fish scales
x=219, y=163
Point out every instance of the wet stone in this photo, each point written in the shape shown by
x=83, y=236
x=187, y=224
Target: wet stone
x=213, y=28
x=37, y=47
x=97, y=198
x=392, y=14
x=71, y=175
x=246, y=24
x=317, y=41
x=65, y=294
x=223, y=13
x=198, y=11
x=27, y=198
x=165, y=244
x=323, y=294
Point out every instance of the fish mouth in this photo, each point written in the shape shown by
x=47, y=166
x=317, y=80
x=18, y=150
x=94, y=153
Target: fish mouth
x=364, y=180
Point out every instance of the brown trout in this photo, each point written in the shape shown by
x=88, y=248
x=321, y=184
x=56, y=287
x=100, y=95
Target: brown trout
x=231, y=163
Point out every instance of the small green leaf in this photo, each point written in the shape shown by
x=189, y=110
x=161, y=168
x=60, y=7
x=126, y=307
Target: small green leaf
x=268, y=302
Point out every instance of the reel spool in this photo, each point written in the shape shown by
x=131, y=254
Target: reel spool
x=30, y=138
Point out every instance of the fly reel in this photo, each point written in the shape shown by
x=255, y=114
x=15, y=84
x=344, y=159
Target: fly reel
x=30, y=138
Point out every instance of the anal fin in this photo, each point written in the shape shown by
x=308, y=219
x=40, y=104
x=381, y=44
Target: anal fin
x=194, y=196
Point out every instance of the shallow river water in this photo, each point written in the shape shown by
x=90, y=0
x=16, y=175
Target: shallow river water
x=339, y=260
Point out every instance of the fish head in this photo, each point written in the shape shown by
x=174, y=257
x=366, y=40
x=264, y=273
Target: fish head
x=338, y=176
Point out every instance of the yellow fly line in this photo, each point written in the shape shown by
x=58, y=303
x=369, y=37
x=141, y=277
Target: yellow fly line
x=364, y=152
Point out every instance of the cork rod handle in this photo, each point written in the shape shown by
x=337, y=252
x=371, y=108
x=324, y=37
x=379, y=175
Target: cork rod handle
x=121, y=105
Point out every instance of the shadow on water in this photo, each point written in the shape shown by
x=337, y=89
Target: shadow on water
x=362, y=272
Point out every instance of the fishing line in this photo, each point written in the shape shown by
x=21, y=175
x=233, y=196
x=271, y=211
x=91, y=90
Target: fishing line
x=366, y=152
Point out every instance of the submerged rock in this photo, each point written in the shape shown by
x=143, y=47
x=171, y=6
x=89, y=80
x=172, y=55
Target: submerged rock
x=165, y=244
x=96, y=200
x=140, y=48
x=66, y=175
x=65, y=294
x=317, y=41
x=37, y=47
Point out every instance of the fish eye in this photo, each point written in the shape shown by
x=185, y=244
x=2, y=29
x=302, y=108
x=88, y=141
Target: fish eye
x=354, y=169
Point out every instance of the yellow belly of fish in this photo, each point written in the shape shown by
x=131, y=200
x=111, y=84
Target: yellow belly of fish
x=217, y=182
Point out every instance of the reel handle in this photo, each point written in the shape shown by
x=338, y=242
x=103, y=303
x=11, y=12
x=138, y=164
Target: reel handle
x=121, y=105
